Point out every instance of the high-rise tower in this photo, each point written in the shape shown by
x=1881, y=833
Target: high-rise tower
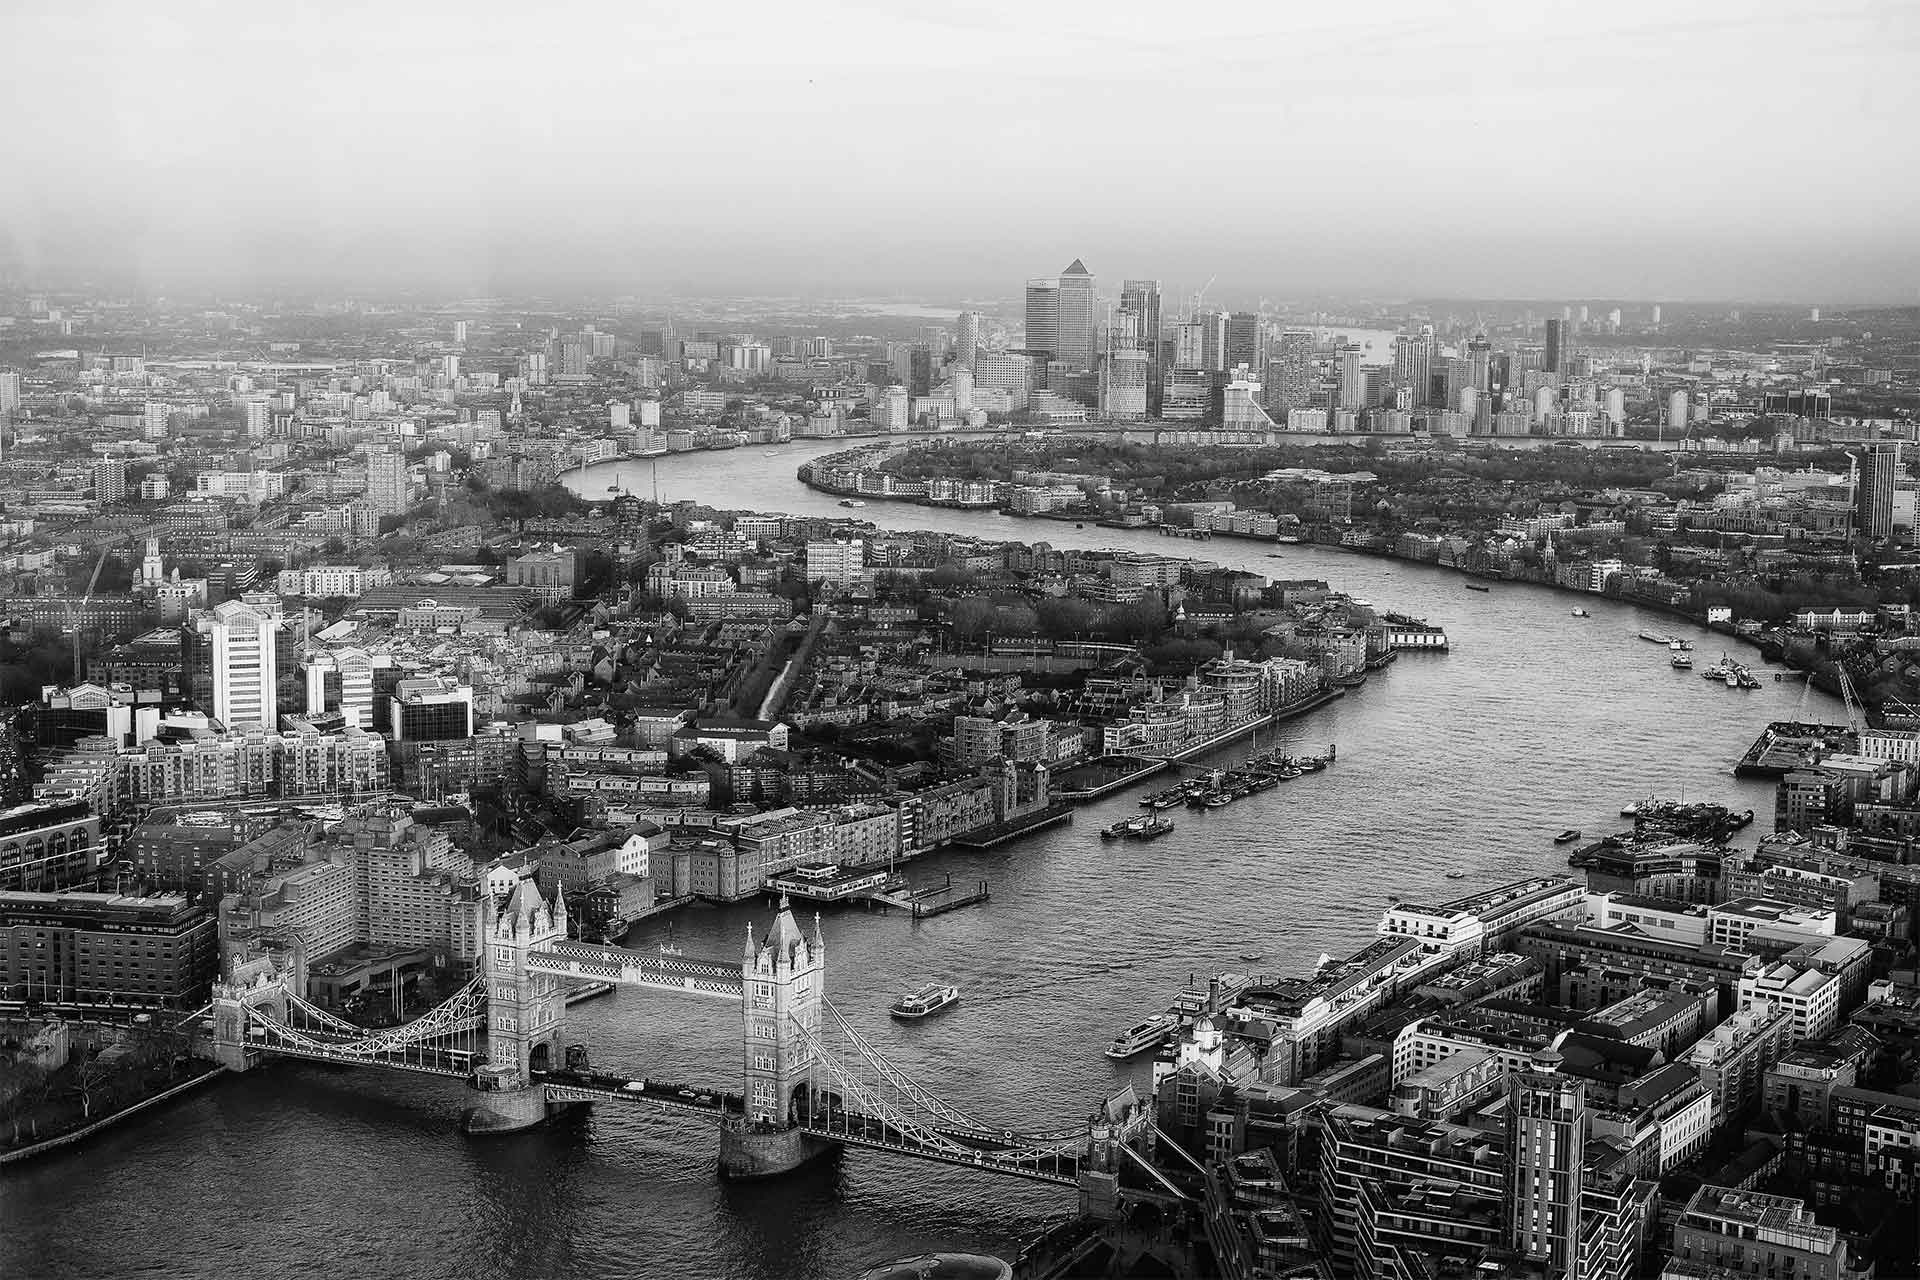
x=1075, y=322
x=1873, y=489
x=243, y=666
x=1043, y=317
x=1546, y=1155
x=784, y=976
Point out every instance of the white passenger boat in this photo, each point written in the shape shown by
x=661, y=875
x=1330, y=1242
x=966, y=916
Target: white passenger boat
x=1142, y=1036
x=928, y=998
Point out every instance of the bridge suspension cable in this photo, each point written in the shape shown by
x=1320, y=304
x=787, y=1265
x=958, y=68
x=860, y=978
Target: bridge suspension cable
x=952, y=1115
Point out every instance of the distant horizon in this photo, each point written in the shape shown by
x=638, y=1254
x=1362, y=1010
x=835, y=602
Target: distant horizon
x=1721, y=149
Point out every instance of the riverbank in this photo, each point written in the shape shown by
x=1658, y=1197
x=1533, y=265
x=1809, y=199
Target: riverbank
x=47, y=1146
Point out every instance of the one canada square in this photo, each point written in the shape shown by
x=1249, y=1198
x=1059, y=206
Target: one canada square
x=1060, y=317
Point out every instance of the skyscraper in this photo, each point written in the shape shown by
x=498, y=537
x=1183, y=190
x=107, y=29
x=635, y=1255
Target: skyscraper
x=966, y=342
x=243, y=665
x=1075, y=318
x=1246, y=342
x=1142, y=297
x=1412, y=364
x=1043, y=316
x=1873, y=489
x=1546, y=1154
x=1352, y=386
x=1290, y=376
x=1557, y=353
x=1480, y=364
x=1213, y=340
x=1123, y=385
x=110, y=480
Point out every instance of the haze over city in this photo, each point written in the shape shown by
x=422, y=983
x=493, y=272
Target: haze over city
x=1714, y=150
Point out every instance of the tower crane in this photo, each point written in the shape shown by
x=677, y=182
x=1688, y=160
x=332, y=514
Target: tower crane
x=1197, y=297
x=74, y=612
x=1856, y=719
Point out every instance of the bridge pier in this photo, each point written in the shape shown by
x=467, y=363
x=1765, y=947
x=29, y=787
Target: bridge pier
x=745, y=1153
x=508, y=1110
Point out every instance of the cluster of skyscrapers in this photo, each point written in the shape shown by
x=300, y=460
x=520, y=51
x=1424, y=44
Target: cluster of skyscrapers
x=1126, y=360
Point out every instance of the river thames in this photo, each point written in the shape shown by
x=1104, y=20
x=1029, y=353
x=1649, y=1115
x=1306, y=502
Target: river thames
x=1467, y=762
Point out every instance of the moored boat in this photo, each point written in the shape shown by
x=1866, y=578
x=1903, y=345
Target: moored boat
x=1142, y=1036
x=927, y=998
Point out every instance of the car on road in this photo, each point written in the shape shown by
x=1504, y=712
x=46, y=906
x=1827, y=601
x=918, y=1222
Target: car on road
x=634, y=1086
x=688, y=1093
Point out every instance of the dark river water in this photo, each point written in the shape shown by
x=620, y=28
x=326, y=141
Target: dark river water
x=1471, y=761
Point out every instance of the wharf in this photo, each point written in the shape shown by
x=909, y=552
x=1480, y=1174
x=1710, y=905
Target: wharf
x=935, y=900
x=1103, y=775
x=1001, y=832
x=829, y=883
x=1786, y=745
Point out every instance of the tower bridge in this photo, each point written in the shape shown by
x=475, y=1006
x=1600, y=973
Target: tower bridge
x=810, y=1081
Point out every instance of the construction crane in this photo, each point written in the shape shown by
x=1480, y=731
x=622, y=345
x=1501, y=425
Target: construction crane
x=1856, y=719
x=1202, y=294
x=75, y=612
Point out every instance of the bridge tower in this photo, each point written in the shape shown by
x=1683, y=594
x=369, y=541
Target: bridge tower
x=525, y=1010
x=258, y=981
x=782, y=980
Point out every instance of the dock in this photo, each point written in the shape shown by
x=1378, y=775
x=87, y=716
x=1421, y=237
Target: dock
x=935, y=900
x=1786, y=745
x=1103, y=775
x=1012, y=829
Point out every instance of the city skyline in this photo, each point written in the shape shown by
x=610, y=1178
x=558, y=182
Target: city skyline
x=1502, y=152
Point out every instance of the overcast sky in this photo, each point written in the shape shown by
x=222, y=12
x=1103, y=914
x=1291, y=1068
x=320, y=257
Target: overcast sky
x=1637, y=148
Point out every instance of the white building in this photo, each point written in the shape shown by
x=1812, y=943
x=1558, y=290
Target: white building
x=837, y=562
x=243, y=665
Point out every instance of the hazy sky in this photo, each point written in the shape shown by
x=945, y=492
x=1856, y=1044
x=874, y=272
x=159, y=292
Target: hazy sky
x=1646, y=148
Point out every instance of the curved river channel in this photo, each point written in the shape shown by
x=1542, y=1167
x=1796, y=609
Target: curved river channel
x=1469, y=761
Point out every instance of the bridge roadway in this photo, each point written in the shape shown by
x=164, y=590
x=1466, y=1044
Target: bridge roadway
x=985, y=1152
x=600, y=1086
x=639, y=968
x=420, y=1059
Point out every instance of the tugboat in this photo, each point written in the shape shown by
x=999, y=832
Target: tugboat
x=928, y=998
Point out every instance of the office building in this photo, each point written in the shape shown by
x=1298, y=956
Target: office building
x=1246, y=342
x=9, y=392
x=1074, y=323
x=243, y=653
x=1876, y=469
x=1726, y=1231
x=1043, y=317
x=101, y=948
x=1124, y=381
x=1558, y=355
x=431, y=709
x=47, y=846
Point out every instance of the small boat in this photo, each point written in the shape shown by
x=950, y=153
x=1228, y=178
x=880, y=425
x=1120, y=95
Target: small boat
x=1275, y=555
x=1476, y=586
x=1252, y=957
x=851, y=502
x=928, y=998
x=1684, y=646
x=771, y=453
x=1456, y=875
x=1220, y=799
x=1581, y=613
x=1680, y=662
x=1142, y=1036
x=1655, y=637
x=1568, y=836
